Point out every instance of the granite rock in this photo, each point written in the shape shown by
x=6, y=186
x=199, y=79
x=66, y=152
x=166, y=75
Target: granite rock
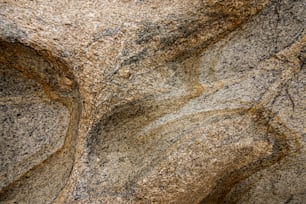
x=131, y=101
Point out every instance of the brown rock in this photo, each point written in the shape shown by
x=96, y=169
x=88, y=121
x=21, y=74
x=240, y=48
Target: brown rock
x=137, y=101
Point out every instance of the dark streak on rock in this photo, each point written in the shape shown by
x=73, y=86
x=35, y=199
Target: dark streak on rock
x=136, y=58
x=105, y=33
x=289, y=199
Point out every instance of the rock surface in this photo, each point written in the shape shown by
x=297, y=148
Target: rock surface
x=136, y=101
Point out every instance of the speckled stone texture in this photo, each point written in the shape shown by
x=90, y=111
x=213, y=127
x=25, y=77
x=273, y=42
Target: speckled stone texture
x=142, y=101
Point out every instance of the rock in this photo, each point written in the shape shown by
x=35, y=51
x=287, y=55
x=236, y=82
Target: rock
x=152, y=101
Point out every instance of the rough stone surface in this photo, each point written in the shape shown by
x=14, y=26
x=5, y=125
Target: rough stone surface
x=130, y=101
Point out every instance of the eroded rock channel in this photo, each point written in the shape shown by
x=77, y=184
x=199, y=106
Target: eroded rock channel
x=39, y=116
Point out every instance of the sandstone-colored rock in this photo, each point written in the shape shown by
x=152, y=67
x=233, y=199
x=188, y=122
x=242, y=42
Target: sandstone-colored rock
x=39, y=118
x=180, y=101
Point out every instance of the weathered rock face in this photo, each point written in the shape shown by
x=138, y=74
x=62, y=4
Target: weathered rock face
x=135, y=101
